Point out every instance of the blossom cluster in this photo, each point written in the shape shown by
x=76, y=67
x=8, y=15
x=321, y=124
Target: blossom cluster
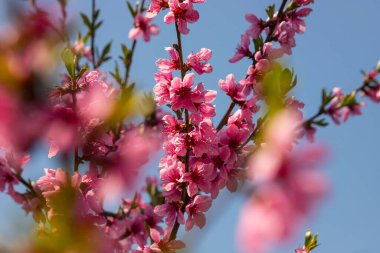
x=97, y=127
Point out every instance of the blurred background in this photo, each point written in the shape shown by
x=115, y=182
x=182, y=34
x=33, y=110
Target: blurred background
x=342, y=38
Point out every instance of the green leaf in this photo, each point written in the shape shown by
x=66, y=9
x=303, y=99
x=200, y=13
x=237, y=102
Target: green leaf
x=258, y=43
x=106, y=49
x=286, y=80
x=131, y=9
x=321, y=123
x=124, y=48
x=96, y=15
x=116, y=74
x=86, y=20
x=326, y=97
x=295, y=81
x=270, y=10
x=311, y=241
x=83, y=70
x=69, y=61
x=98, y=25
x=349, y=100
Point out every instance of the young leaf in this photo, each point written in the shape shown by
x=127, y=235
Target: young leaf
x=270, y=10
x=69, y=61
x=131, y=10
x=86, y=20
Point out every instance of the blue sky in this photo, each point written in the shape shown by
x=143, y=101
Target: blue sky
x=342, y=38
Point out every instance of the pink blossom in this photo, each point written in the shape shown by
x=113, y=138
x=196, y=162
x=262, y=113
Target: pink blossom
x=237, y=91
x=185, y=4
x=352, y=110
x=172, y=212
x=199, y=61
x=302, y=250
x=181, y=95
x=264, y=221
x=303, y=2
x=285, y=34
x=181, y=15
x=7, y=178
x=166, y=65
x=133, y=152
x=155, y=7
x=62, y=132
x=195, y=210
x=79, y=48
x=202, y=139
x=136, y=228
x=242, y=118
x=310, y=133
x=373, y=93
x=16, y=160
x=164, y=245
x=97, y=100
x=288, y=187
x=256, y=26
x=242, y=50
x=172, y=178
x=202, y=100
x=199, y=176
x=53, y=186
x=161, y=89
x=296, y=21
x=268, y=53
x=143, y=28
x=233, y=137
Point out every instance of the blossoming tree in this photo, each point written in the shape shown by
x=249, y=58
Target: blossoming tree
x=104, y=131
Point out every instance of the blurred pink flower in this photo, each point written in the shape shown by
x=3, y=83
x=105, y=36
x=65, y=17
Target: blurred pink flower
x=143, y=28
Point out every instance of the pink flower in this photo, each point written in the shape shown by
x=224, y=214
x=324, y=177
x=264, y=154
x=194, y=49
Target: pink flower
x=303, y=2
x=285, y=34
x=172, y=178
x=302, y=250
x=352, y=110
x=155, y=7
x=172, y=213
x=161, y=89
x=97, y=99
x=202, y=100
x=336, y=110
x=181, y=95
x=7, y=178
x=185, y=4
x=136, y=228
x=310, y=133
x=199, y=61
x=264, y=221
x=296, y=21
x=164, y=245
x=62, y=133
x=268, y=53
x=237, y=91
x=199, y=176
x=133, y=152
x=55, y=185
x=195, y=210
x=287, y=183
x=166, y=65
x=80, y=49
x=143, y=28
x=181, y=15
x=256, y=26
x=242, y=118
x=242, y=50
x=233, y=137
